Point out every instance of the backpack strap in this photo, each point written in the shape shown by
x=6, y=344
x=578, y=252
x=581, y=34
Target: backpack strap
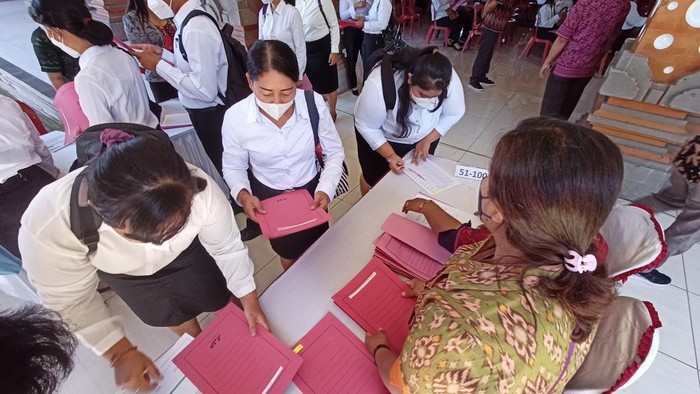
x=84, y=222
x=320, y=7
x=388, y=83
x=313, y=113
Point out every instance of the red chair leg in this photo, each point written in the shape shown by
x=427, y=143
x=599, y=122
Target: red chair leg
x=545, y=52
x=528, y=47
x=429, y=36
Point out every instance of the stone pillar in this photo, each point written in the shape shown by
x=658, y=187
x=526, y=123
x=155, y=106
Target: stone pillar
x=242, y=15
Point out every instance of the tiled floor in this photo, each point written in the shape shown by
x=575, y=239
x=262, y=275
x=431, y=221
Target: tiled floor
x=517, y=95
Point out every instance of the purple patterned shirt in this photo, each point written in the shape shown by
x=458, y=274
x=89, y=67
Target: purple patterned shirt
x=589, y=26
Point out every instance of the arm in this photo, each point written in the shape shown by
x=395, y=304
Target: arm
x=329, y=10
x=332, y=151
x=489, y=7
x=385, y=360
x=235, y=158
x=383, y=15
x=93, y=100
x=347, y=9
x=299, y=41
x=39, y=146
x=370, y=114
x=557, y=47
x=453, y=107
x=56, y=79
x=437, y=218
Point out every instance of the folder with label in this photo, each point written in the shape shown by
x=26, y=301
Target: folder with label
x=225, y=358
x=290, y=213
x=336, y=361
x=373, y=300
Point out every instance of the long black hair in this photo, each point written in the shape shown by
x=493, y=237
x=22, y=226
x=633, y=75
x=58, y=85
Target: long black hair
x=272, y=55
x=73, y=16
x=429, y=69
x=140, y=8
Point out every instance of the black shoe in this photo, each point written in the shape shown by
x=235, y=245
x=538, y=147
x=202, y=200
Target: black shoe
x=247, y=233
x=656, y=278
x=487, y=82
x=476, y=86
x=456, y=45
x=355, y=92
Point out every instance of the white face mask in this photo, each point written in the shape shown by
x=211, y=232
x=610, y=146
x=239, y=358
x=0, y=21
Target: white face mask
x=70, y=51
x=267, y=1
x=162, y=10
x=274, y=110
x=424, y=102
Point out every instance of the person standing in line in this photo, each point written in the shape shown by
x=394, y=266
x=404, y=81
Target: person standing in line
x=200, y=78
x=26, y=166
x=495, y=14
x=352, y=10
x=373, y=25
x=59, y=66
x=281, y=20
x=585, y=36
x=109, y=84
x=322, y=35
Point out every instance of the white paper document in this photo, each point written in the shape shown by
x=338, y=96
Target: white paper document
x=174, y=120
x=428, y=175
x=54, y=140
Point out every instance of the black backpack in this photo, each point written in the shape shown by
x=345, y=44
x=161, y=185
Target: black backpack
x=84, y=221
x=236, y=55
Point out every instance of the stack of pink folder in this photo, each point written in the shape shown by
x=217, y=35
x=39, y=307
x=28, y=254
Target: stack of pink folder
x=410, y=249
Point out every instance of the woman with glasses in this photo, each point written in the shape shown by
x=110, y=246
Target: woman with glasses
x=516, y=307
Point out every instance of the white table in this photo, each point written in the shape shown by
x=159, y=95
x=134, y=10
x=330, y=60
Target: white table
x=302, y=296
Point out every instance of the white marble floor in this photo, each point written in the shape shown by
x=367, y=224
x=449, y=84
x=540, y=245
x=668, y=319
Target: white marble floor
x=516, y=95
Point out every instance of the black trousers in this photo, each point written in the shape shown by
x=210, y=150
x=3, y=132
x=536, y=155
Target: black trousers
x=459, y=27
x=15, y=195
x=547, y=34
x=370, y=43
x=207, y=124
x=482, y=63
x=162, y=91
x=561, y=96
x=352, y=39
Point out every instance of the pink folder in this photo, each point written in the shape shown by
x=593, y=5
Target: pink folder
x=336, y=361
x=290, y=213
x=417, y=236
x=406, y=258
x=226, y=359
x=373, y=300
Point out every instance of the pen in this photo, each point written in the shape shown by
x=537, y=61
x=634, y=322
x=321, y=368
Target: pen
x=417, y=174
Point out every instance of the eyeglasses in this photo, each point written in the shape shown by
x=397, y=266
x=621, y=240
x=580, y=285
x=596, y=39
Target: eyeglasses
x=479, y=211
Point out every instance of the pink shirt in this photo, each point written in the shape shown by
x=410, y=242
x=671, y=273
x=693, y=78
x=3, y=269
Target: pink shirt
x=588, y=27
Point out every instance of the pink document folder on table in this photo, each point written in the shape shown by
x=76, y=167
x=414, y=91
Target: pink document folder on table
x=290, y=213
x=225, y=358
x=373, y=300
x=417, y=236
x=404, y=259
x=335, y=361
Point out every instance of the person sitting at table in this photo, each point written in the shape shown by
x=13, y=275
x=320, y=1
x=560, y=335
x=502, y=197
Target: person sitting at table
x=429, y=101
x=270, y=134
x=26, y=165
x=548, y=16
x=109, y=84
x=517, y=311
x=168, y=245
x=457, y=21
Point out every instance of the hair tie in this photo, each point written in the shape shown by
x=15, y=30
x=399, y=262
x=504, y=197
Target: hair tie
x=580, y=264
x=87, y=21
x=436, y=50
x=110, y=137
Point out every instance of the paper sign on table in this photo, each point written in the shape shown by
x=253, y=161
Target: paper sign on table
x=335, y=361
x=404, y=259
x=373, y=300
x=290, y=213
x=473, y=173
x=175, y=120
x=225, y=358
x=428, y=175
x=417, y=236
x=174, y=381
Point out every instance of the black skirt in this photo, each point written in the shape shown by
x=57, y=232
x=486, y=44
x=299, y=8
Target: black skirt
x=188, y=286
x=373, y=165
x=291, y=246
x=323, y=76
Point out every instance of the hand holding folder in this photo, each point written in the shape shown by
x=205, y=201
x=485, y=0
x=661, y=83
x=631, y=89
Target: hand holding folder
x=290, y=213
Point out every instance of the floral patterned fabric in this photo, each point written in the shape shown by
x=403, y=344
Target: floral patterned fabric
x=485, y=328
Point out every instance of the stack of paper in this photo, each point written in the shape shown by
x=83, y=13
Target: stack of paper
x=225, y=358
x=290, y=213
x=175, y=120
x=373, y=300
x=428, y=175
x=410, y=248
x=336, y=361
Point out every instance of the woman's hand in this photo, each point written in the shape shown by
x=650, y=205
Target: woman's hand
x=360, y=22
x=421, y=151
x=546, y=66
x=148, y=60
x=333, y=59
x=321, y=200
x=360, y=4
x=253, y=313
x=376, y=339
x=148, y=48
x=133, y=370
x=395, y=163
x=416, y=287
x=414, y=205
x=251, y=205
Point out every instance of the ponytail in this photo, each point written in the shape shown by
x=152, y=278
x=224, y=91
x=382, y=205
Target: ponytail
x=97, y=33
x=72, y=16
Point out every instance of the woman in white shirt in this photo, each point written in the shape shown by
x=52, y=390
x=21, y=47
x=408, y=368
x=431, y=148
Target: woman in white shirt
x=322, y=35
x=280, y=20
x=373, y=25
x=167, y=244
x=548, y=16
x=429, y=101
x=351, y=11
x=109, y=84
x=270, y=134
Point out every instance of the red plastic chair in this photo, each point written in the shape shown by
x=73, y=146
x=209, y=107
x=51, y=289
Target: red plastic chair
x=534, y=40
x=476, y=27
x=408, y=16
x=33, y=117
x=435, y=29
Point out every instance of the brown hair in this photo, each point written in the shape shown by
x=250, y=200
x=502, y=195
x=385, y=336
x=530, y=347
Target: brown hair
x=556, y=183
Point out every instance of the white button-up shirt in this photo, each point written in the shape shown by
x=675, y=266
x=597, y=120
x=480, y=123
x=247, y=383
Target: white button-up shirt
x=315, y=27
x=348, y=12
x=110, y=88
x=284, y=24
x=281, y=158
x=378, y=17
x=65, y=277
x=633, y=18
x=205, y=73
x=20, y=144
x=377, y=125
